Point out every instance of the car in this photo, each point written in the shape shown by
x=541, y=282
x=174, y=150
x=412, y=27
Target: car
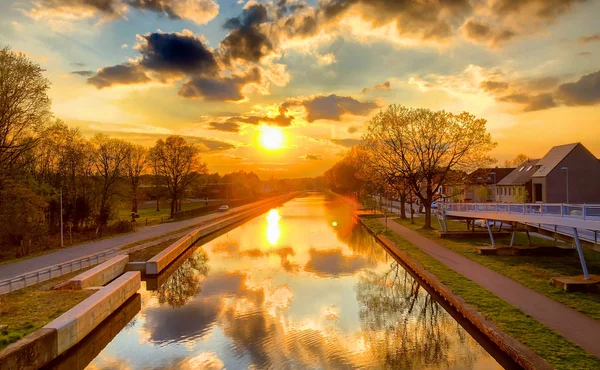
x=224, y=208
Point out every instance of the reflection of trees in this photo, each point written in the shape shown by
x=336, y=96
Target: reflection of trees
x=186, y=281
x=406, y=327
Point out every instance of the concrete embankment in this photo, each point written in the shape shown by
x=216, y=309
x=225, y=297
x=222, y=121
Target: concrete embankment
x=99, y=275
x=163, y=259
x=43, y=345
x=520, y=354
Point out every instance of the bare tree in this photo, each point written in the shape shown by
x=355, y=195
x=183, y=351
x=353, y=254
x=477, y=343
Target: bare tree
x=24, y=106
x=109, y=156
x=516, y=161
x=135, y=164
x=423, y=146
x=177, y=162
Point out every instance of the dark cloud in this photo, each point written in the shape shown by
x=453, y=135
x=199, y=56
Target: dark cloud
x=333, y=107
x=544, y=9
x=176, y=53
x=280, y=120
x=121, y=74
x=225, y=126
x=591, y=38
x=532, y=102
x=199, y=11
x=348, y=143
x=493, y=85
x=222, y=88
x=480, y=32
x=77, y=64
x=83, y=73
x=311, y=157
x=586, y=91
x=584, y=53
x=383, y=86
x=203, y=143
x=247, y=40
x=334, y=263
x=352, y=129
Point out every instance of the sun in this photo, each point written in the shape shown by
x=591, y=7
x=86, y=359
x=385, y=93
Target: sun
x=271, y=138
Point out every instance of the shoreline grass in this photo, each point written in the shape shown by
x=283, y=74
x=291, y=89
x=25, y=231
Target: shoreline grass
x=533, y=272
x=554, y=348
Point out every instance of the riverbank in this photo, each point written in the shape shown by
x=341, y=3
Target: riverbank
x=559, y=352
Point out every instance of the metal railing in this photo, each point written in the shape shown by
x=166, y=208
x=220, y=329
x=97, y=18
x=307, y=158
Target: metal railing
x=51, y=272
x=575, y=211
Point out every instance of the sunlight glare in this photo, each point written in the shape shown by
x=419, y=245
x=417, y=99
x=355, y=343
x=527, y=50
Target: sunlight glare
x=271, y=138
x=273, y=230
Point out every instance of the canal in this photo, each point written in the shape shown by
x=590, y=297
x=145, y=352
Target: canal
x=300, y=287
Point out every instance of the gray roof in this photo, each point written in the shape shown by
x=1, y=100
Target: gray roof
x=553, y=158
x=521, y=174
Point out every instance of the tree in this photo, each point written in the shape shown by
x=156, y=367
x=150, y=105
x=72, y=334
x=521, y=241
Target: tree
x=176, y=161
x=24, y=106
x=423, y=146
x=136, y=162
x=109, y=156
x=516, y=161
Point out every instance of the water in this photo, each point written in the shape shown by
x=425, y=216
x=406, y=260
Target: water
x=300, y=287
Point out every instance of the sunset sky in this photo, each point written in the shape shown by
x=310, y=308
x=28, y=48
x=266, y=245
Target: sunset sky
x=218, y=72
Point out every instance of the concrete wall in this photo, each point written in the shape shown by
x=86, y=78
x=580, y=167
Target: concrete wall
x=101, y=274
x=79, y=321
x=31, y=352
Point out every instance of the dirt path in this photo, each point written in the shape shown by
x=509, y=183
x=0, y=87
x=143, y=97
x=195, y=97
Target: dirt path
x=573, y=325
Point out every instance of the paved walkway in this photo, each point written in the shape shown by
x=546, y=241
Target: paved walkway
x=15, y=269
x=573, y=325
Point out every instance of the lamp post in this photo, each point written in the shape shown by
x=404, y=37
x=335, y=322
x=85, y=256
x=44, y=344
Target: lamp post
x=566, y=169
x=494, y=173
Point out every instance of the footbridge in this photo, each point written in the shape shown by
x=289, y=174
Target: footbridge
x=578, y=221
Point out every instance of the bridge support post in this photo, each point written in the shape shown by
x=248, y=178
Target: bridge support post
x=487, y=223
x=580, y=251
x=512, y=238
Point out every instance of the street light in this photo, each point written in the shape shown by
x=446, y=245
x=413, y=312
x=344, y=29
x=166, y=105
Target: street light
x=566, y=169
x=494, y=173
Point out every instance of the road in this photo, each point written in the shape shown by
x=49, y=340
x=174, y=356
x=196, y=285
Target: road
x=15, y=269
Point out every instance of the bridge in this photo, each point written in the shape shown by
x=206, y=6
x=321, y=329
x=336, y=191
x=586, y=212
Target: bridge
x=566, y=219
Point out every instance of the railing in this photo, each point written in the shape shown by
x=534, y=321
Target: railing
x=51, y=272
x=575, y=211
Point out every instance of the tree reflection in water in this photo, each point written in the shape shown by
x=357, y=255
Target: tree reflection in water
x=186, y=281
x=406, y=327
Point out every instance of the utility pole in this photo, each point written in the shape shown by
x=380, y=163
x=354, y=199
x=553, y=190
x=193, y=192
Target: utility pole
x=62, y=235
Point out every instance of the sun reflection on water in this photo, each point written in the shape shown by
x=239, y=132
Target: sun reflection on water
x=273, y=229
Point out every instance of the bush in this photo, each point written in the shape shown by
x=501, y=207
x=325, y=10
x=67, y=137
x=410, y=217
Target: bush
x=121, y=226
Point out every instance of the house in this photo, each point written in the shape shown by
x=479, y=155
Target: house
x=567, y=174
x=516, y=187
x=477, y=186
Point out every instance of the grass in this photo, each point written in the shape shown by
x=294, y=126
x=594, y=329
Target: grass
x=153, y=215
x=26, y=310
x=554, y=348
x=147, y=253
x=532, y=271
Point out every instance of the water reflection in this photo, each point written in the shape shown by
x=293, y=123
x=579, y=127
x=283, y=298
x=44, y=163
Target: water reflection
x=307, y=294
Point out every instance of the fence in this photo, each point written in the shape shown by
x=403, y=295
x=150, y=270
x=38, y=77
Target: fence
x=51, y=272
x=576, y=211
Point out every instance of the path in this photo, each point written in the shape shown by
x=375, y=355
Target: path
x=573, y=325
x=11, y=270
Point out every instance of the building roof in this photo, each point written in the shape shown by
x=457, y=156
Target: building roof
x=522, y=174
x=553, y=158
x=485, y=176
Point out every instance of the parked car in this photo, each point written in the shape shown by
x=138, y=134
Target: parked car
x=224, y=208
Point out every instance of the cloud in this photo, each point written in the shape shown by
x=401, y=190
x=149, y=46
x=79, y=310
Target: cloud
x=352, y=129
x=331, y=107
x=222, y=89
x=204, y=144
x=480, y=32
x=121, y=74
x=383, y=86
x=311, y=157
x=225, y=126
x=77, y=64
x=591, y=38
x=83, y=73
x=348, y=143
x=586, y=91
x=532, y=102
x=198, y=11
x=493, y=85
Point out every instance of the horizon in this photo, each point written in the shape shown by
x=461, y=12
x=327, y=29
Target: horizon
x=314, y=77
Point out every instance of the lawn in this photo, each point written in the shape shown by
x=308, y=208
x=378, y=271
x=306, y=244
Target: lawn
x=147, y=253
x=555, y=349
x=532, y=271
x=153, y=216
x=26, y=310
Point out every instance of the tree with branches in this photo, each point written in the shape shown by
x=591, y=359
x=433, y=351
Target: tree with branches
x=422, y=146
x=136, y=163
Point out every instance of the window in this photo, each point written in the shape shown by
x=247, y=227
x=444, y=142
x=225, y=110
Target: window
x=521, y=169
x=528, y=168
x=542, y=168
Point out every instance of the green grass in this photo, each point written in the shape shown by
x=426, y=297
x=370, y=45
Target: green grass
x=26, y=310
x=147, y=253
x=153, y=215
x=532, y=271
x=555, y=349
